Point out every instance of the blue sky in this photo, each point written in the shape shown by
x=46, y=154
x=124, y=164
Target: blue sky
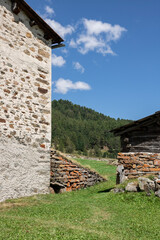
x=111, y=62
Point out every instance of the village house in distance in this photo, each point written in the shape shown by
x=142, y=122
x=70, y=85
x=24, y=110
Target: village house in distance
x=140, y=142
x=26, y=41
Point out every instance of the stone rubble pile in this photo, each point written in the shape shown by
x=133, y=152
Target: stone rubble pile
x=144, y=184
x=69, y=176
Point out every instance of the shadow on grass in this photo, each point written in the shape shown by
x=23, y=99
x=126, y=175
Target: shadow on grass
x=106, y=190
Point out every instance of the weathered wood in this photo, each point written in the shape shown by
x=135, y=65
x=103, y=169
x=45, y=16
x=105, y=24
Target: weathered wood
x=126, y=140
x=46, y=36
x=18, y=5
x=143, y=143
x=136, y=127
x=142, y=139
x=153, y=119
x=140, y=142
x=15, y=7
x=32, y=23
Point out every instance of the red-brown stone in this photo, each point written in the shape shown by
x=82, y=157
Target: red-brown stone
x=157, y=162
x=2, y=120
x=155, y=169
x=42, y=90
x=42, y=146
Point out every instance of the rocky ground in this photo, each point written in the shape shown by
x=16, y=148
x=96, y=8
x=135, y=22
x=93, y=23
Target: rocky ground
x=141, y=184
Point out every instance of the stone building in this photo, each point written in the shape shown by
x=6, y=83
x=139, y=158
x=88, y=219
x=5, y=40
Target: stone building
x=140, y=141
x=25, y=100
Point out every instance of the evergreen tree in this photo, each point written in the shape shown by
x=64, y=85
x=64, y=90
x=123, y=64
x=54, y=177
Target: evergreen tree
x=76, y=128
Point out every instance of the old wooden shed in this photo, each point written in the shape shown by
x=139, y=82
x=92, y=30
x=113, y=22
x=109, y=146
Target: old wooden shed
x=140, y=142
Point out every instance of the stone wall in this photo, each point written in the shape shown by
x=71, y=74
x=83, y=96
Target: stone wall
x=69, y=176
x=25, y=106
x=133, y=165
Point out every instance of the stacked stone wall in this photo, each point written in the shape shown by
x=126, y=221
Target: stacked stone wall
x=139, y=164
x=25, y=106
x=67, y=175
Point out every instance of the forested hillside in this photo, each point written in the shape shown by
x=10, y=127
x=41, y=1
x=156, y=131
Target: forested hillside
x=83, y=130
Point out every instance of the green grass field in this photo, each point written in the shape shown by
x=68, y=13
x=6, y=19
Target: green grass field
x=89, y=214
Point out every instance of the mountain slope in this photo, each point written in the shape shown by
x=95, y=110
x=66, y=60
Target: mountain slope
x=76, y=128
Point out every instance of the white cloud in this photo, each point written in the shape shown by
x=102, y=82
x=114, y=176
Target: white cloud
x=61, y=30
x=64, y=85
x=58, y=61
x=88, y=43
x=94, y=27
x=92, y=35
x=64, y=50
x=78, y=66
x=106, y=50
x=97, y=36
x=72, y=43
x=49, y=10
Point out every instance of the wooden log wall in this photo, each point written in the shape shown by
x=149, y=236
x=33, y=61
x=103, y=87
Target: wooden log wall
x=146, y=139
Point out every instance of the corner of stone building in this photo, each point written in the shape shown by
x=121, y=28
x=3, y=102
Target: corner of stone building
x=25, y=106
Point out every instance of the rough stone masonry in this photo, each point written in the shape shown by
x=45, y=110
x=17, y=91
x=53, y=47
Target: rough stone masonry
x=139, y=164
x=25, y=106
x=140, y=144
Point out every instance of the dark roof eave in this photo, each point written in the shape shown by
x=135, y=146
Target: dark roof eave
x=129, y=127
x=49, y=32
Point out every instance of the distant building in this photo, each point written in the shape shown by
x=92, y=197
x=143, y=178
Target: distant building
x=25, y=100
x=140, y=141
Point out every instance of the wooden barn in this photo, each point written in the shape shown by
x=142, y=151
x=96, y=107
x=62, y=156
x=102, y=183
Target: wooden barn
x=140, y=142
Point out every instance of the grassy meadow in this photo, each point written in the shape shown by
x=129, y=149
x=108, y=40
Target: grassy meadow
x=89, y=214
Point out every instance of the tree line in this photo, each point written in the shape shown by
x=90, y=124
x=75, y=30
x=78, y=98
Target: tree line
x=83, y=130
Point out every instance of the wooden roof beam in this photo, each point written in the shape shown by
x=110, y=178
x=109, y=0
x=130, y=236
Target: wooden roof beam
x=134, y=127
x=32, y=23
x=15, y=7
x=35, y=19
